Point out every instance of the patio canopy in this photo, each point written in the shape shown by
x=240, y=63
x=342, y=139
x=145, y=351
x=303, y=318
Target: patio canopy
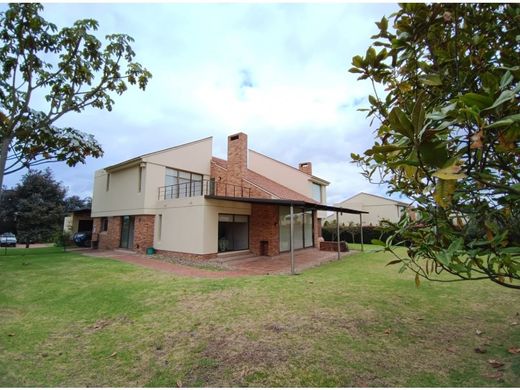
x=288, y=202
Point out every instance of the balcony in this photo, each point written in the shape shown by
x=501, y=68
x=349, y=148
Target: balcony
x=203, y=187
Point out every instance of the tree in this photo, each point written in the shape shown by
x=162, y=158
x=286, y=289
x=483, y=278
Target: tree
x=40, y=207
x=71, y=69
x=7, y=211
x=74, y=202
x=448, y=132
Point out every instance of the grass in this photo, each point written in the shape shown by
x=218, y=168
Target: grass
x=67, y=320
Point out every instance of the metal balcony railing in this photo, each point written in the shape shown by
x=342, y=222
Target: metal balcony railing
x=203, y=187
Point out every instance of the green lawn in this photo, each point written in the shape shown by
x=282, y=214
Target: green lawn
x=75, y=321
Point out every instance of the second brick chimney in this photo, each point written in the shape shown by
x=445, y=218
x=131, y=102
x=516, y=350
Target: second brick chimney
x=306, y=167
x=237, y=158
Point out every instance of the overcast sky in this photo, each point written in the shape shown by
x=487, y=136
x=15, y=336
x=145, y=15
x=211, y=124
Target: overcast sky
x=278, y=72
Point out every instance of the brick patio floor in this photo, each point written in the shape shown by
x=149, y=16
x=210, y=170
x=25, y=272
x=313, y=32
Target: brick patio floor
x=239, y=266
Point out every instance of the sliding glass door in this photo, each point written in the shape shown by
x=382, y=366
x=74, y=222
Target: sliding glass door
x=303, y=228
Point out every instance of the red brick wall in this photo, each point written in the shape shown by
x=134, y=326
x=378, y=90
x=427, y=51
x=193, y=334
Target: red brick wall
x=306, y=167
x=144, y=226
x=316, y=223
x=111, y=238
x=237, y=159
x=263, y=226
x=332, y=246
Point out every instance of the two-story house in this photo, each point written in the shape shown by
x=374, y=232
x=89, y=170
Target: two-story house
x=184, y=201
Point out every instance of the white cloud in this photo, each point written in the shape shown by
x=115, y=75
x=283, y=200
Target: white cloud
x=295, y=56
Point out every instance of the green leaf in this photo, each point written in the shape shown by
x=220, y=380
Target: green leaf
x=511, y=249
x=474, y=99
x=418, y=114
x=442, y=257
x=432, y=79
x=443, y=193
x=378, y=242
x=506, y=79
x=400, y=122
x=449, y=173
x=504, y=97
x=357, y=61
x=433, y=153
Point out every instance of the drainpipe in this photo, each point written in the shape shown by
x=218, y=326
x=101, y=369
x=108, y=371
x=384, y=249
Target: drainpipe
x=292, y=240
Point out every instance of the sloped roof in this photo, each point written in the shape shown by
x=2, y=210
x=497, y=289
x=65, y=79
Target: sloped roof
x=398, y=202
x=277, y=190
x=139, y=159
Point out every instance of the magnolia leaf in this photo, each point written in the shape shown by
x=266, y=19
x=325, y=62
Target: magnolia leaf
x=432, y=79
x=505, y=122
x=400, y=122
x=504, y=97
x=394, y=262
x=418, y=114
x=417, y=281
x=474, y=99
x=449, y=173
x=444, y=191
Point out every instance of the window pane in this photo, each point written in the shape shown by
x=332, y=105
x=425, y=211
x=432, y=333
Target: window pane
x=316, y=192
x=225, y=218
x=241, y=218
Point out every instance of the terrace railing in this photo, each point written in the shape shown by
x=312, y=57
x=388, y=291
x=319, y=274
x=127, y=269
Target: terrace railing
x=201, y=188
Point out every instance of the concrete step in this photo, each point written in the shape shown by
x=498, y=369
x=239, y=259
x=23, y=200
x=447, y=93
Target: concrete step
x=235, y=255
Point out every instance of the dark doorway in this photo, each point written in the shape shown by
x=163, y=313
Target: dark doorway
x=233, y=232
x=85, y=225
x=127, y=232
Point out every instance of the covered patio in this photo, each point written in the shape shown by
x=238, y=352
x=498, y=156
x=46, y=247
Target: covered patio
x=292, y=204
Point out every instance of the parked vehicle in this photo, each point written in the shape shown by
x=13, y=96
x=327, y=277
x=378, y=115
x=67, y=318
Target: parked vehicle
x=83, y=239
x=8, y=239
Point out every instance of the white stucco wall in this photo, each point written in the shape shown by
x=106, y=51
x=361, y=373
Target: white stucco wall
x=123, y=196
x=191, y=224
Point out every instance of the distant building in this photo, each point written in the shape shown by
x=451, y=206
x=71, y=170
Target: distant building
x=78, y=221
x=378, y=207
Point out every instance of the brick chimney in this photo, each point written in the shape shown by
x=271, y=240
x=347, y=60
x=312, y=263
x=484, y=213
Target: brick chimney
x=237, y=158
x=306, y=167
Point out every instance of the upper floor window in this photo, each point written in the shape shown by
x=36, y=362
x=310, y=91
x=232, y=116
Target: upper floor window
x=140, y=179
x=182, y=184
x=316, y=192
x=108, y=181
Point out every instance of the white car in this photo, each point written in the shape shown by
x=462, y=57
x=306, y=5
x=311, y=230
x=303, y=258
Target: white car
x=8, y=239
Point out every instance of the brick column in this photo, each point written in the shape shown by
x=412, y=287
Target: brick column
x=263, y=226
x=144, y=226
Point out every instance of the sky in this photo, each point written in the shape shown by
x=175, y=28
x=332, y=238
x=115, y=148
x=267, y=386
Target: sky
x=278, y=72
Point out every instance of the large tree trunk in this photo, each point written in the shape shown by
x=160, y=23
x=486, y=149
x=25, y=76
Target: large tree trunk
x=3, y=160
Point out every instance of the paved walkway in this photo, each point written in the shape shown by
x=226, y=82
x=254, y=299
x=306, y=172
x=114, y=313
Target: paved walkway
x=240, y=266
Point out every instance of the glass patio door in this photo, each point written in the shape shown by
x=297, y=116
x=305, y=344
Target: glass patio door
x=127, y=232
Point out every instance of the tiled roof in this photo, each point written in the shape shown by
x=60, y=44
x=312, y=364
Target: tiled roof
x=268, y=185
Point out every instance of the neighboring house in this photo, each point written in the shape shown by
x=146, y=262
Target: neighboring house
x=184, y=201
x=378, y=207
x=78, y=221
